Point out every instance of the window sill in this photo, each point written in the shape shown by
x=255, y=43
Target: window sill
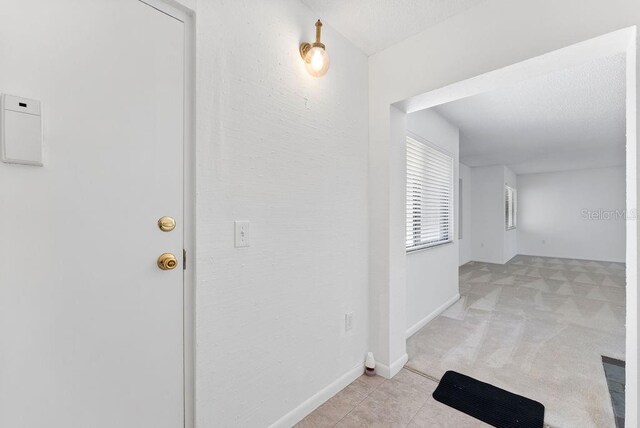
x=417, y=250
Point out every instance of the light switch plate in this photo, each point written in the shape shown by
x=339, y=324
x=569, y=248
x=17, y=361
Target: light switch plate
x=242, y=233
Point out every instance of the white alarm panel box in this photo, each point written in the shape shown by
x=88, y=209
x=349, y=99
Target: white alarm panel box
x=20, y=130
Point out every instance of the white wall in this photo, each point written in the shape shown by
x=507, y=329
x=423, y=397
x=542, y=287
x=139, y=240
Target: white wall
x=493, y=35
x=288, y=152
x=552, y=221
x=487, y=206
x=491, y=242
x=389, y=359
x=432, y=273
x=464, y=244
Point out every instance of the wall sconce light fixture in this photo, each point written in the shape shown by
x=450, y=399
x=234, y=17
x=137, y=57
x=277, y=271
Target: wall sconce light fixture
x=314, y=54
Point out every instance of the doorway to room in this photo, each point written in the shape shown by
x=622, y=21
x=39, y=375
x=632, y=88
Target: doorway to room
x=531, y=283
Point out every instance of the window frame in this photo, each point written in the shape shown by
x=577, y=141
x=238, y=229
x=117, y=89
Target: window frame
x=510, y=204
x=451, y=199
x=460, y=205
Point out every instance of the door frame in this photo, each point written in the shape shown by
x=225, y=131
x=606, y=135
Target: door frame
x=186, y=15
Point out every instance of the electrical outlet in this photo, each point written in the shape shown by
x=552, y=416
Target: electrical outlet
x=242, y=233
x=348, y=321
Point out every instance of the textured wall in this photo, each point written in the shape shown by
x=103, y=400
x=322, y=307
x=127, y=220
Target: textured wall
x=432, y=273
x=551, y=221
x=287, y=152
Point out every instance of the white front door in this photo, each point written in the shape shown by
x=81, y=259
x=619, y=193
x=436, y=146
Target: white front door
x=91, y=330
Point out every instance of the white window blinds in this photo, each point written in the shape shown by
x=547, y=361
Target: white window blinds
x=429, y=196
x=509, y=207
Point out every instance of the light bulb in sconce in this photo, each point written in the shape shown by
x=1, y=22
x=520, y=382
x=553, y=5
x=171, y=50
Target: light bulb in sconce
x=315, y=55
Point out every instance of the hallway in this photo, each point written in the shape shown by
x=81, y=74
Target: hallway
x=375, y=402
x=226, y=213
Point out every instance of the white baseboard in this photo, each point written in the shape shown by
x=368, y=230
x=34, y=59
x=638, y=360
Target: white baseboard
x=573, y=258
x=417, y=326
x=491, y=262
x=392, y=370
x=316, y=400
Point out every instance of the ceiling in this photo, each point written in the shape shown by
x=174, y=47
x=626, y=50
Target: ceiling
x=571, y=119
x=373, y=25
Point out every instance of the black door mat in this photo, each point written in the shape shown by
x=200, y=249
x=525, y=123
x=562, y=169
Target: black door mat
x=488, y=403
x=614, y=371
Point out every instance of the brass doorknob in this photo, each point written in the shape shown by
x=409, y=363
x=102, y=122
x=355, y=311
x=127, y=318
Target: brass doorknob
x=166, y=223
x=167, y=261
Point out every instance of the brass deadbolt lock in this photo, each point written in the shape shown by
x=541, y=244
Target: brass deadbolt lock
x=167, y=261
x=167, y=224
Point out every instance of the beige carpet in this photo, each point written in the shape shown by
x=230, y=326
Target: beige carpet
x=537, y=327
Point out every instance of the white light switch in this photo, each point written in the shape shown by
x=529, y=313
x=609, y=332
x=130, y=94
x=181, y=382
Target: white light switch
x=242, y=234
x=21, y=130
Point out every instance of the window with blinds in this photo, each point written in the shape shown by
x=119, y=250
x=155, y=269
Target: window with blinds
x=509, y=208
x=429, y=196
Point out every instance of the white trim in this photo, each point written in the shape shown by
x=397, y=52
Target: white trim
x=479, y=260
x=631, y=254
x=427, y=142
x=316, y=400
x=551, y=255
x=417, y=326
x=390, y=371
x=185, y=15
x=171, y=8
x=189, y=182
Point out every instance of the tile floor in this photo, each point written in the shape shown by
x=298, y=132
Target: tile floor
x=534, y=326
x=375, y=402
